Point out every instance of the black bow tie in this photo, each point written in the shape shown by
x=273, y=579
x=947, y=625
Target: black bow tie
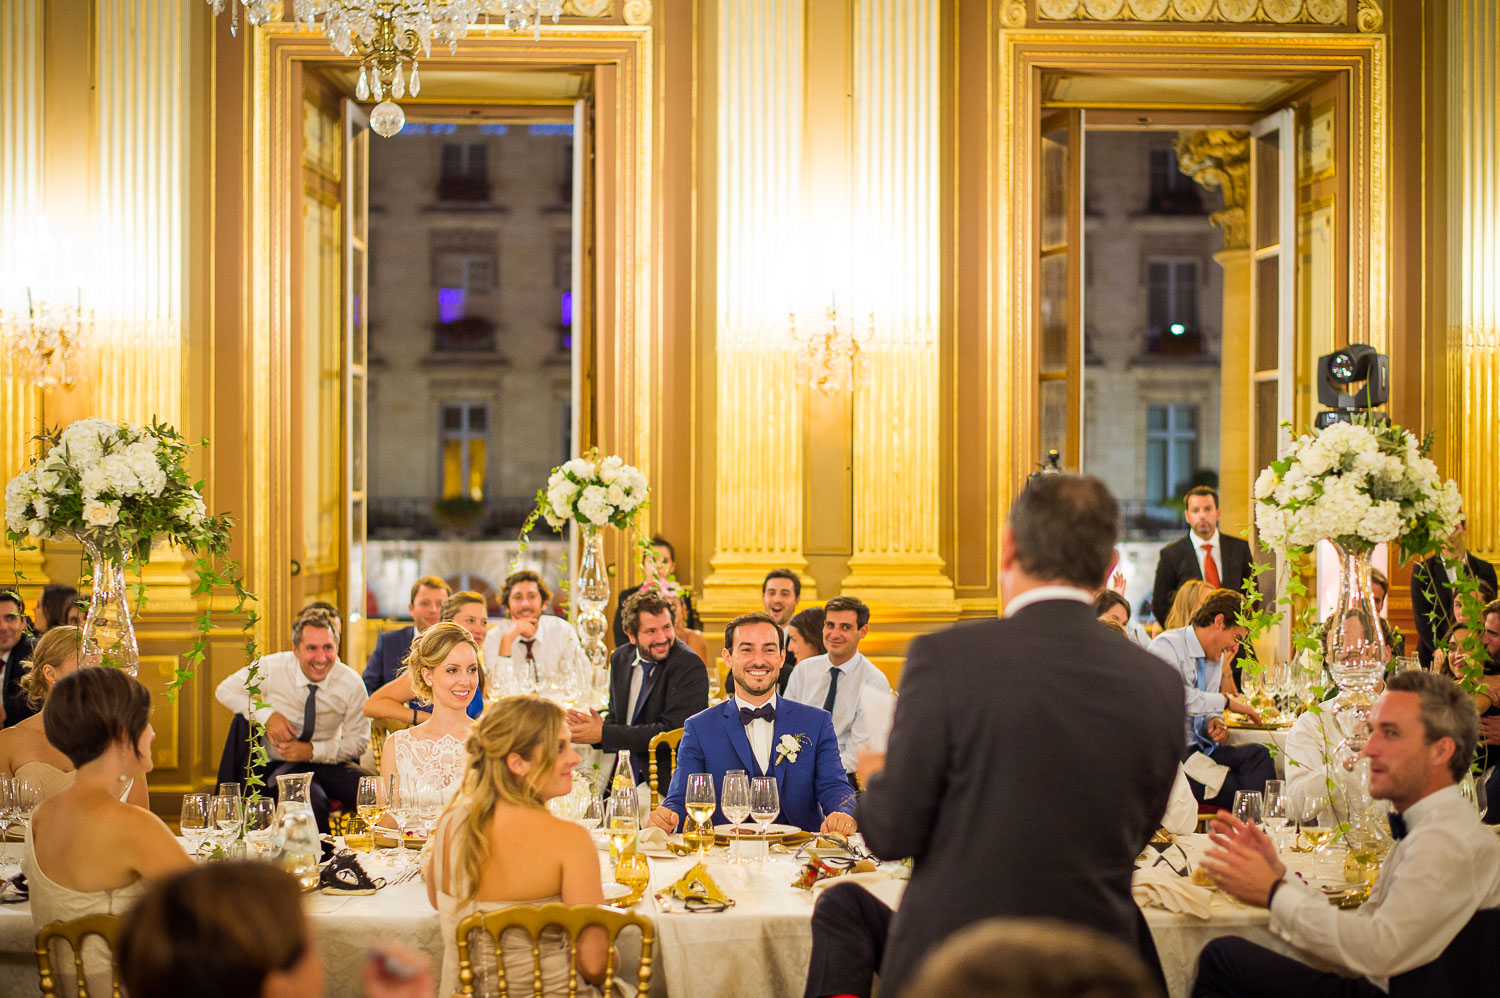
x=1398, y=827
x=765, y=712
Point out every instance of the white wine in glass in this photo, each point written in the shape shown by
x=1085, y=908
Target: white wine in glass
x=369, y=806
x=765, y=802
x=621, y=821
x=699, y=802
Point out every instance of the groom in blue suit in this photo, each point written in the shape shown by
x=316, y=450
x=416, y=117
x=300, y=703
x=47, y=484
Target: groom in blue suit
x=759, y=732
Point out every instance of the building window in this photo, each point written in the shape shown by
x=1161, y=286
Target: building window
x=463, y=437
x=465, y=172
x=1172, y=191
x=1171, y=450
x=1172, y=308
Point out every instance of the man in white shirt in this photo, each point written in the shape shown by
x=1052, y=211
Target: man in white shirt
x=531, y=651
x=314, y=713
x=1444, y=867
x=843, y=679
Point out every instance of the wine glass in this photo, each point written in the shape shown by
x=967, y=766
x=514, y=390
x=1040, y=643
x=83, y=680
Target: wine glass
x=736, y=799
x=195, y=821
x=1276, y=810
x=593, y=812
x=1248, y=806
x=260, y=821
x=28, y=794
x=699, y=801
x=7, y=804
x=621, y=822
x=226, y=815
x=400, y=804
x=1316, y=824
x=230, y=790
x=368, y=806
x=765, y=803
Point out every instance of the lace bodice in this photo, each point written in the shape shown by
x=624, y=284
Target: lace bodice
x=441, y=759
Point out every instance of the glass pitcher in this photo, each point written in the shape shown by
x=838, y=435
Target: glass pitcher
x=296, y=844
x=292, y=792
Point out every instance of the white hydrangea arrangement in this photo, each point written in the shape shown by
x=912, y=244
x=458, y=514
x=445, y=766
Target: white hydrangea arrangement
x=120, y=486
x=1357, y=484
x=594, y=492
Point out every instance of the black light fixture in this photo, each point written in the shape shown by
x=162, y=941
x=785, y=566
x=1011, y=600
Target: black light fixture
x=1352, y=382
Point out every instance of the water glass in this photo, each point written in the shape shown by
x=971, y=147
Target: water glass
x=260, y=819
x=28, y=794
x=1247, y=806
x=765, y=802
x=196, y=819
x=593, y=812
x=8, y=810
x=231, y=790
x=227, y=816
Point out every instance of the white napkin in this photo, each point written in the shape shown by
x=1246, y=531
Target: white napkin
x=1204, y=770
x=1155, y=887
x=877, y=882
x=651, y=837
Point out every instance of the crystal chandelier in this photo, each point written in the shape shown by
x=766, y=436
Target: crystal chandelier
x=45, y=340
x=388, y=36
x=829, y=350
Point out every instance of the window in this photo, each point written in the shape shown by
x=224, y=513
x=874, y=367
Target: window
x=465, y=172
x=1172, y=191
x=464, y=442
x=1172, y=307
x=1171, y=450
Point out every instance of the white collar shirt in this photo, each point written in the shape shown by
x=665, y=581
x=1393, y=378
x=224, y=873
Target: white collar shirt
x=555, y=657
x=759, y=732
x=1214, y=546
x=341, y=730
x=637, y=680
x=1181, y=649
x=1432, y=882
x=1040, y=593
x=809, y=684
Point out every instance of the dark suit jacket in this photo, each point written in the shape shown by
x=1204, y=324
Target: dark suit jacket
x=385, y=661
x=1030, y=761
x=1178, y=562
x=677, y=690
x=1432, y=596
x=17, y=707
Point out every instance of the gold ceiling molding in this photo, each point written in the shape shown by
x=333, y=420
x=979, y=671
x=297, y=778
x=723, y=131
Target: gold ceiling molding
x=1318, y=12
x=589, y=8
x=638, y=13
x=1219, y=159
x=1370, y=17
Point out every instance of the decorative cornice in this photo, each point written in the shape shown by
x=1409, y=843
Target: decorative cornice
x=638, y=13
x=1220, y=158
x=1370, y=17
x=1318, y=12
x=589, y=8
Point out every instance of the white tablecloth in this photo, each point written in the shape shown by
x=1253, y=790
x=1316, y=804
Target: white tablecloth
x=761, y=946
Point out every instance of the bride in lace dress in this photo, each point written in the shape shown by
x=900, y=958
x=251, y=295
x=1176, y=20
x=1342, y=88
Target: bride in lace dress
x=444, y=671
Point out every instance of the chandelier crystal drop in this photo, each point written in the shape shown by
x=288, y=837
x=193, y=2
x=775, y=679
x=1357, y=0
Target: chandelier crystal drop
x=387, y=118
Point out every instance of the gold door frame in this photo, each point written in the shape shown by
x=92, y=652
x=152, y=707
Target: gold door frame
x=1023, y=57
x=621, y=340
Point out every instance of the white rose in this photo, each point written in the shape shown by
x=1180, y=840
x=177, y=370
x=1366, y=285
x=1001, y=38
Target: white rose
x=41, y=507
x=615, y=496
x=593, y=511
x=101, y=514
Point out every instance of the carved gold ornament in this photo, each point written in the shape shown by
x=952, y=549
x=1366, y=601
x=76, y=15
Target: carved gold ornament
x=1207, y=11
x=638, y=13
x=588, y=8
x=1220, y=158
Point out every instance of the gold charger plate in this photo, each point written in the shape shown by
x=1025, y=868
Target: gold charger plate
x=1243, y=722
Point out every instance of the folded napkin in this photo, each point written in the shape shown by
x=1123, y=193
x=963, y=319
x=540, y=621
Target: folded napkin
x=1155, y=887
x=651, y=837
x=1204, y=770
x=697, y=886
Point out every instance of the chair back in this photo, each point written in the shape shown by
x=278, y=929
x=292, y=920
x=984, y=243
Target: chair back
x=1464, y=968
x=381, y=729
x=572, y=920
x=671, y=739
x=74, y=932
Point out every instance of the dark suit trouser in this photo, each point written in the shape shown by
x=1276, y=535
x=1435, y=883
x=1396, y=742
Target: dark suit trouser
x=849, y=928
x=1230, y=967
x=332, y=781
x=1250, y=766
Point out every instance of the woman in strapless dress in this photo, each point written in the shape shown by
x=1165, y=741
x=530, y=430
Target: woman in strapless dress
x=25, y=752
x=87, y=852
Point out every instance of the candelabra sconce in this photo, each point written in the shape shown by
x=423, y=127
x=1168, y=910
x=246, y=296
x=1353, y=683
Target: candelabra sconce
x=830, y=350
x=44, y=342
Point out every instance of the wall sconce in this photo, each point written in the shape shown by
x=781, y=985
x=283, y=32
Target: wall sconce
x=830, y=350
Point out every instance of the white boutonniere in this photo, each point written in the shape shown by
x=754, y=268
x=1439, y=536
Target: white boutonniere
x=788, y=747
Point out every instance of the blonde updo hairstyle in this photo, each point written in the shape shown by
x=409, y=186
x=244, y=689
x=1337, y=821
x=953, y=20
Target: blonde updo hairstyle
x=526, y=726
x=55, y=647
x=431, y=649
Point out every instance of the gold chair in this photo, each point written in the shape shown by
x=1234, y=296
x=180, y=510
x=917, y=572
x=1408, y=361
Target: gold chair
x=573, y=920
x=671, y=739
x=74, y=932
x=380, y=730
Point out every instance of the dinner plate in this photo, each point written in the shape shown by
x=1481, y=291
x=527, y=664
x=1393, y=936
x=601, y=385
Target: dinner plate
x=754, y=831
x=613, y=892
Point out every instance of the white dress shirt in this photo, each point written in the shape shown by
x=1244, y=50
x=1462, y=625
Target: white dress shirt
x=1445, y=869
x=809, y=685
x=1030, y=596
x=1310, y=745
x=1213, y=544
x=1181, y=649
x=340, y=732
x=555, y=651
x=759, y=732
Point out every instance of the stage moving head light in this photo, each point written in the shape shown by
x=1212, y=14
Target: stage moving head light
x=1338, y=375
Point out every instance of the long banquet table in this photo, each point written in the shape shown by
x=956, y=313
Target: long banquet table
x=761, y=946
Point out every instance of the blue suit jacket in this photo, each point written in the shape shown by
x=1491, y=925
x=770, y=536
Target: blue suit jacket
x=385, y=661
x=713, y=741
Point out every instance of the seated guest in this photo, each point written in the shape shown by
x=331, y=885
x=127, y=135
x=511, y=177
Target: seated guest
x=395, y=700
x=443, y=672
x=755, y=731
x=1432, y=591
x=530, y=651
x=1379, y=587
x=1444, y=867
x=1110, y=605
x=427, y=595
x=87, y=852
x=497, y=845
x=660, y=567
x=1032, y=958
x=237, y=930
x=837, y=680
x=655, y=684
x=25, y=752
x=313, y=716
x=58, y=607
x=804, y=634
x=15, y=648
x=1196, y=651
x=1186, y=603
x=780, y=592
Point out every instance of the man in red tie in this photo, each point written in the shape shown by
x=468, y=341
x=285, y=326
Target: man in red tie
x=1218, y=559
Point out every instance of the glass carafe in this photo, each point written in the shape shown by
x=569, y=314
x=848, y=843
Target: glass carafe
x=292, y=792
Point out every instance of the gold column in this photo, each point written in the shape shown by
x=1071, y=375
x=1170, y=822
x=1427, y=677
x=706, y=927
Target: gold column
x=897, y=276
x=758, y=462
x=1474, y=263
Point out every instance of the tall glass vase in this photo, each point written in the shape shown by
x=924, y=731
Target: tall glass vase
x=592, y=593
x=1355, y=650
x=108, y=634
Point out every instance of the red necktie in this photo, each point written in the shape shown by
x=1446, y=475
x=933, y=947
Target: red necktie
x=1210, y=570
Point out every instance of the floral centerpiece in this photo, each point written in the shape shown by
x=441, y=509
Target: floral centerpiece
x=121, y=489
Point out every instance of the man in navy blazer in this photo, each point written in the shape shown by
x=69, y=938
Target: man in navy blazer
x=764, y=735
x=392, y=647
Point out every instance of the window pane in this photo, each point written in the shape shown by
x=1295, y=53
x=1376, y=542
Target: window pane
x=453, y=418
x=1054, y=189
x=1267, y=190
x=1055, y=313
x=1156, y=470
x=477, y=457
x=479, y=418
x=1267, y=314
x=1156, y=417
x=453, y=468
x=1054, y=416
